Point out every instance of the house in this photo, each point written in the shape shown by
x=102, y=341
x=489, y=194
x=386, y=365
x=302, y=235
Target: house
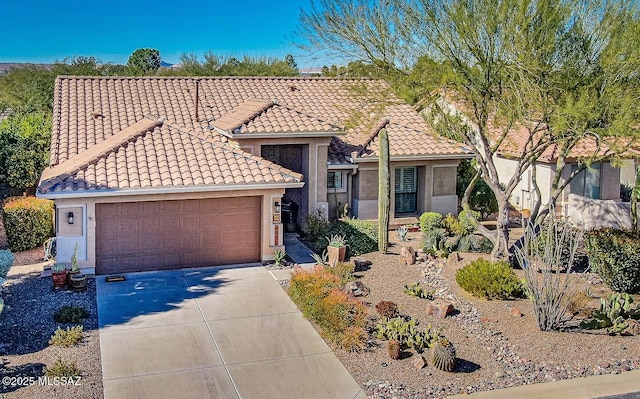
x=161, y=172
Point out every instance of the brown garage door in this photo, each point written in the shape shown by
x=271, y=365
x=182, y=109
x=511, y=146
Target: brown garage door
x=139, y=236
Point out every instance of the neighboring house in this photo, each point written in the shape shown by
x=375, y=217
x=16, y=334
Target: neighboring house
x=163, y=172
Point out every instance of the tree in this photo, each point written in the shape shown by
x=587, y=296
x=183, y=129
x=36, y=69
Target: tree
x=291, y=62
x=214, y=65
x=557, y=70
x=28, y=87
x=144, y=61
x=24, y=148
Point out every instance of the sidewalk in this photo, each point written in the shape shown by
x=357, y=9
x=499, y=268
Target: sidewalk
x=599, y=386
x=297, y=250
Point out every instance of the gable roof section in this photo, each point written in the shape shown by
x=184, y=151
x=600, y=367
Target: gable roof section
x=167, y=156
x=243, y=113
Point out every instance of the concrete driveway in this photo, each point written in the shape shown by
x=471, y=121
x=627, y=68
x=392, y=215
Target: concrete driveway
x=212, y=333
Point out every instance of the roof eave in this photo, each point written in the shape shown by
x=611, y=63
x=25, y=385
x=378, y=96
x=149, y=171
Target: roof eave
x=164, y=190
x=284, y=135
x=416, y=158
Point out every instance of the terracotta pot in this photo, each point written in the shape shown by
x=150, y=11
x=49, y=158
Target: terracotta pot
x=77, y=282
x=336, y=254
x=59, y=279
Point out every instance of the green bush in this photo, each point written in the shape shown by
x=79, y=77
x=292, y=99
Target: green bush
x=28, y=222
x=430, y=221
x=316, y=226
x=615, y=256
x=342, y=270
x=475, y=243
x=6, y=260
x=453, y=226
x=62, y=368
x=483, y=278
x=68, y=337
x=465, y=221
x=70, y=314
x=432, y=239
x=362, y=237
x=342, y=318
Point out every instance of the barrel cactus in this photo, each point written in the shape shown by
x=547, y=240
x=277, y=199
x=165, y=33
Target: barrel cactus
x=443, y=355
x=394, y=349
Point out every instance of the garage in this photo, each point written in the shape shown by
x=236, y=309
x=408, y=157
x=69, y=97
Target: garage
x=155, y=235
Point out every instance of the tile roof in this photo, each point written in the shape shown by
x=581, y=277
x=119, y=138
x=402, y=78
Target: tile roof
x=95, y=115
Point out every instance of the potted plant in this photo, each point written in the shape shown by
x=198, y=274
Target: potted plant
x=337, y=248
x=76, y=281
x=59, y=276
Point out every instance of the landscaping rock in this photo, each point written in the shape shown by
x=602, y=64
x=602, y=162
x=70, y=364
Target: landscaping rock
x=633, y=327
x=419, y=362
x=439, y=308
x=515, y=312
x=408, y=255
x=356, y=288
x=361, y=264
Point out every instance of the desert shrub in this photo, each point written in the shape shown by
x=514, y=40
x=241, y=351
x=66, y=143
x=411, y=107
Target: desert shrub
x=343, y=270
x=342, y=318
x=70, y=314
x=6, y=260
x=465, y=220
x=474, y=243
x=432, y=239
x=68, y=337
x=550, y=284
x=316, y=226
x=615, y=256
x=430, y=221
x=28, y=222
x=62, y=368
x=483, y=278
x=361, y=235
x=387, y=309
x=453, y=225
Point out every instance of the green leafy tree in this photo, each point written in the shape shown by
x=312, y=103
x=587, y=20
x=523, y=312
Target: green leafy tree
x=28, y=87
x=558, y=70
x=144, y=61
x=24, y=148
x=214, y=65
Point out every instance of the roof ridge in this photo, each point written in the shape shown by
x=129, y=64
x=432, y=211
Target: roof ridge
x=384, y=121
x=243, y=113
x=54, y=174
x=234, y=150
x=214, y=77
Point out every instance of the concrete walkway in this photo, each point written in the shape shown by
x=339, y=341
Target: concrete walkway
x=212, y=333
x=297, y=250
x=610, y=386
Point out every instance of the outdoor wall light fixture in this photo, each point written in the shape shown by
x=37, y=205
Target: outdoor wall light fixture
x=277, y=207
x=70, y=217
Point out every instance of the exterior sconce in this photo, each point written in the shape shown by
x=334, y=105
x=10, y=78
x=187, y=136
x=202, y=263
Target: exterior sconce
x=70, y=217
x=276, y=207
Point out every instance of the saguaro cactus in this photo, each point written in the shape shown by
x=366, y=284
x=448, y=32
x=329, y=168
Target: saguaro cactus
x=384, y=192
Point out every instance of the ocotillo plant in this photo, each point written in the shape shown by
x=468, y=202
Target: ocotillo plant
x=384, y=192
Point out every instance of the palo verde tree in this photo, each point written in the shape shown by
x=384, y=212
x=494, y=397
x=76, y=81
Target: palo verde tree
x=557, y=71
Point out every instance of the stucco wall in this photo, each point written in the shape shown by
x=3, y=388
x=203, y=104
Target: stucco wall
x=588, y=213
x=432, y=176
x=86, y=242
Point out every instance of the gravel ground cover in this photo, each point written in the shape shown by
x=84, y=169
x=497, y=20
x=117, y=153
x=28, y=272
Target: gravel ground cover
x=495, y=349
x=26, y=326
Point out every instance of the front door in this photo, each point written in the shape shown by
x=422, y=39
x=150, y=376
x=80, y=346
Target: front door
x=406, y=190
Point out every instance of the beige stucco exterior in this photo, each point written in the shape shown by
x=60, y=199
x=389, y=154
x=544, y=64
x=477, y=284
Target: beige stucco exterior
x=523, y=196
x=436, y=187
x=271, y=235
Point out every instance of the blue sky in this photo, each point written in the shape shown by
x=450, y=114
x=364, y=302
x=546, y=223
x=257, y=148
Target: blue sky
x=48, y=30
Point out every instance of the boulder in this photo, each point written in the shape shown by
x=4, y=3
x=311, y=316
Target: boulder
x=439, y=308
x=356, y=288
x=361, y=264
x=633, y=327
x=408, y=255
x=515, y=312
x=419, y=362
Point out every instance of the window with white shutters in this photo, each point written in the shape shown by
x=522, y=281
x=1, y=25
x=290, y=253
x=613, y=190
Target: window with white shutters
x=406, y=190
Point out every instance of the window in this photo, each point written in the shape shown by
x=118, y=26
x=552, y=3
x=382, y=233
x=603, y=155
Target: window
x=335, y=181
x=406, y=190
x=587, y=182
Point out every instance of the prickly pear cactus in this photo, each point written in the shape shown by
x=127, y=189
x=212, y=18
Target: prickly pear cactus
x=443, y=355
